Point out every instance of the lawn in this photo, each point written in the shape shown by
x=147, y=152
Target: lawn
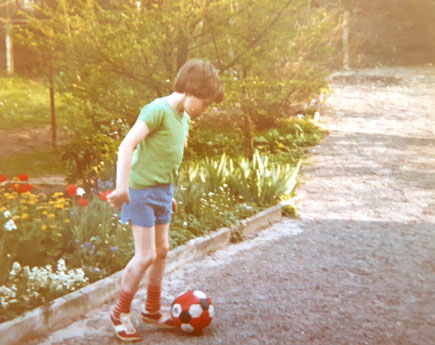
x=25, y=102
x=36, y=164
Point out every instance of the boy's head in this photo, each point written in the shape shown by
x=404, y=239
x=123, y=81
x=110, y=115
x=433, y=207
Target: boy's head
x=200, y=79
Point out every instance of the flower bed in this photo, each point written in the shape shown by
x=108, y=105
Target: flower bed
x=80, y=234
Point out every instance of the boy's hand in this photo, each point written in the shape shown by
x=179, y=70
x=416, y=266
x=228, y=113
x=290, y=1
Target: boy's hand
x=174, y=205
x=118, y=198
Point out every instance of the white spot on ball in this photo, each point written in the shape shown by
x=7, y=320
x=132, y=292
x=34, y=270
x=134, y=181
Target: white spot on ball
x=195, y=310
x=211, y=311
x=187, y=328
x=176, y=310
x=199, y=294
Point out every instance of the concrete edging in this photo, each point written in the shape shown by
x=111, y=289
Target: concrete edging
x=66, y=309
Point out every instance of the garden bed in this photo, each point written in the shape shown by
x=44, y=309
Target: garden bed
x=60, y=311
x=53, y=244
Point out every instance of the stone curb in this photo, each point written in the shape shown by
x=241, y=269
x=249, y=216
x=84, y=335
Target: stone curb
x=66, y=309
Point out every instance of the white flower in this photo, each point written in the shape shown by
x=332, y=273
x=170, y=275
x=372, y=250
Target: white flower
x=7, y=214
x=80, y=191
x=300, y=116
x=10, y=225
x=185, y=224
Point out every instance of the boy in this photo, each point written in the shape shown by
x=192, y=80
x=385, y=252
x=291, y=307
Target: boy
x=148, y=159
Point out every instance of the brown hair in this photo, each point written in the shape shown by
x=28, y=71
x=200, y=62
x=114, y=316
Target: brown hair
x=200, y=79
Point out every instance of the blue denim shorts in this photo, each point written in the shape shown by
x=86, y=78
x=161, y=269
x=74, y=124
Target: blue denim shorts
x=149, y=206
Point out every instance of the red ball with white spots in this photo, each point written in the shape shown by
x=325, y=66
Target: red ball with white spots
x=192, y=311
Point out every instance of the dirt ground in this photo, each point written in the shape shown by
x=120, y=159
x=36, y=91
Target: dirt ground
x=358, y=266
x=28, y=140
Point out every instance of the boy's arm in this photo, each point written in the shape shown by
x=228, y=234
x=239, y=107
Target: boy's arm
x=125, y=153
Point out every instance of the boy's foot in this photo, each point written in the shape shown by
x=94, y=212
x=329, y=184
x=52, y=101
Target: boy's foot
x=161, y=318
x=124, y=328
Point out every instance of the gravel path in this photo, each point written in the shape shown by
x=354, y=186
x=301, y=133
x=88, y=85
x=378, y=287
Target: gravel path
x=358, y=267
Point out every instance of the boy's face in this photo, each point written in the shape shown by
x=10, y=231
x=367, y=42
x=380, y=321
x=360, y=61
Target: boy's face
x=194, y=105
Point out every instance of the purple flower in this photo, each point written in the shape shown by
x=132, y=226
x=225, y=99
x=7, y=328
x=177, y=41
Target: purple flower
x=114, y=249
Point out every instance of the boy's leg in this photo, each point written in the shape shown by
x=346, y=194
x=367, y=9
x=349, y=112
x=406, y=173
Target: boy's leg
x=145, y=254
x=157, y=269
x=155, y=274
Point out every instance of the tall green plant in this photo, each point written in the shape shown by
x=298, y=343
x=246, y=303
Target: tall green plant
x=262, y=182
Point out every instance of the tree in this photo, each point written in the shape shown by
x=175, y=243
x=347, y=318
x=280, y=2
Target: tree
x=114, y=57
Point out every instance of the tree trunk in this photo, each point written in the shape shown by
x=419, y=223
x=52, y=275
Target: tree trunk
x=8, y=42
x=346, y=62
x=52, y=108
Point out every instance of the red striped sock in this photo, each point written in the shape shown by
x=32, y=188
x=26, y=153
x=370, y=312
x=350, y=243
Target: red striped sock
x=153, y=298
x=123, y=303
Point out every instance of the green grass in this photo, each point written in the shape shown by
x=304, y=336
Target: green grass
x=25, y=102
x=36, y=164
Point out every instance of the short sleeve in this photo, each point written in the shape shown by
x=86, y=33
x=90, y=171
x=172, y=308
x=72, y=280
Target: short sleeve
x=152, y=116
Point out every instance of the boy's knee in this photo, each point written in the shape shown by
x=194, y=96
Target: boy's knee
x=145, y=260
x=162, y=252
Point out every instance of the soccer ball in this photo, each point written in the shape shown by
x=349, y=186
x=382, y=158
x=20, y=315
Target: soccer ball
x=192, y=311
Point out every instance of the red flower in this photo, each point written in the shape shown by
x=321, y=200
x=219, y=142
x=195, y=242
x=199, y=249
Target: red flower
x=25, y=188
x=15, y=186
x=23, y=177
x=83, y=202
x=103, y=195
x=3, y=178
x=72, y=189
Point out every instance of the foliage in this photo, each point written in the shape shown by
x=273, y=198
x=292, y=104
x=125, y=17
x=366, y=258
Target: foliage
x=210, y=211
x=389, y=32
x=290, y=136
x=289, y=211
x=114, y=57
x=88, y=156
x=77, y=226
x=260, y=181
x=29, y=288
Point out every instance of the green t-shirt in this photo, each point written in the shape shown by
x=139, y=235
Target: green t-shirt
x=157, y=158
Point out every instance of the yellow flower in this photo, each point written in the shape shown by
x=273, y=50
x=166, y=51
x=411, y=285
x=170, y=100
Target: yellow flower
x=67, y=221
x=3, y=209
x=51, y=215
x=24, y=216
x=59, y=206
x=44, y=213
x=16, y=179
x=44, y=227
